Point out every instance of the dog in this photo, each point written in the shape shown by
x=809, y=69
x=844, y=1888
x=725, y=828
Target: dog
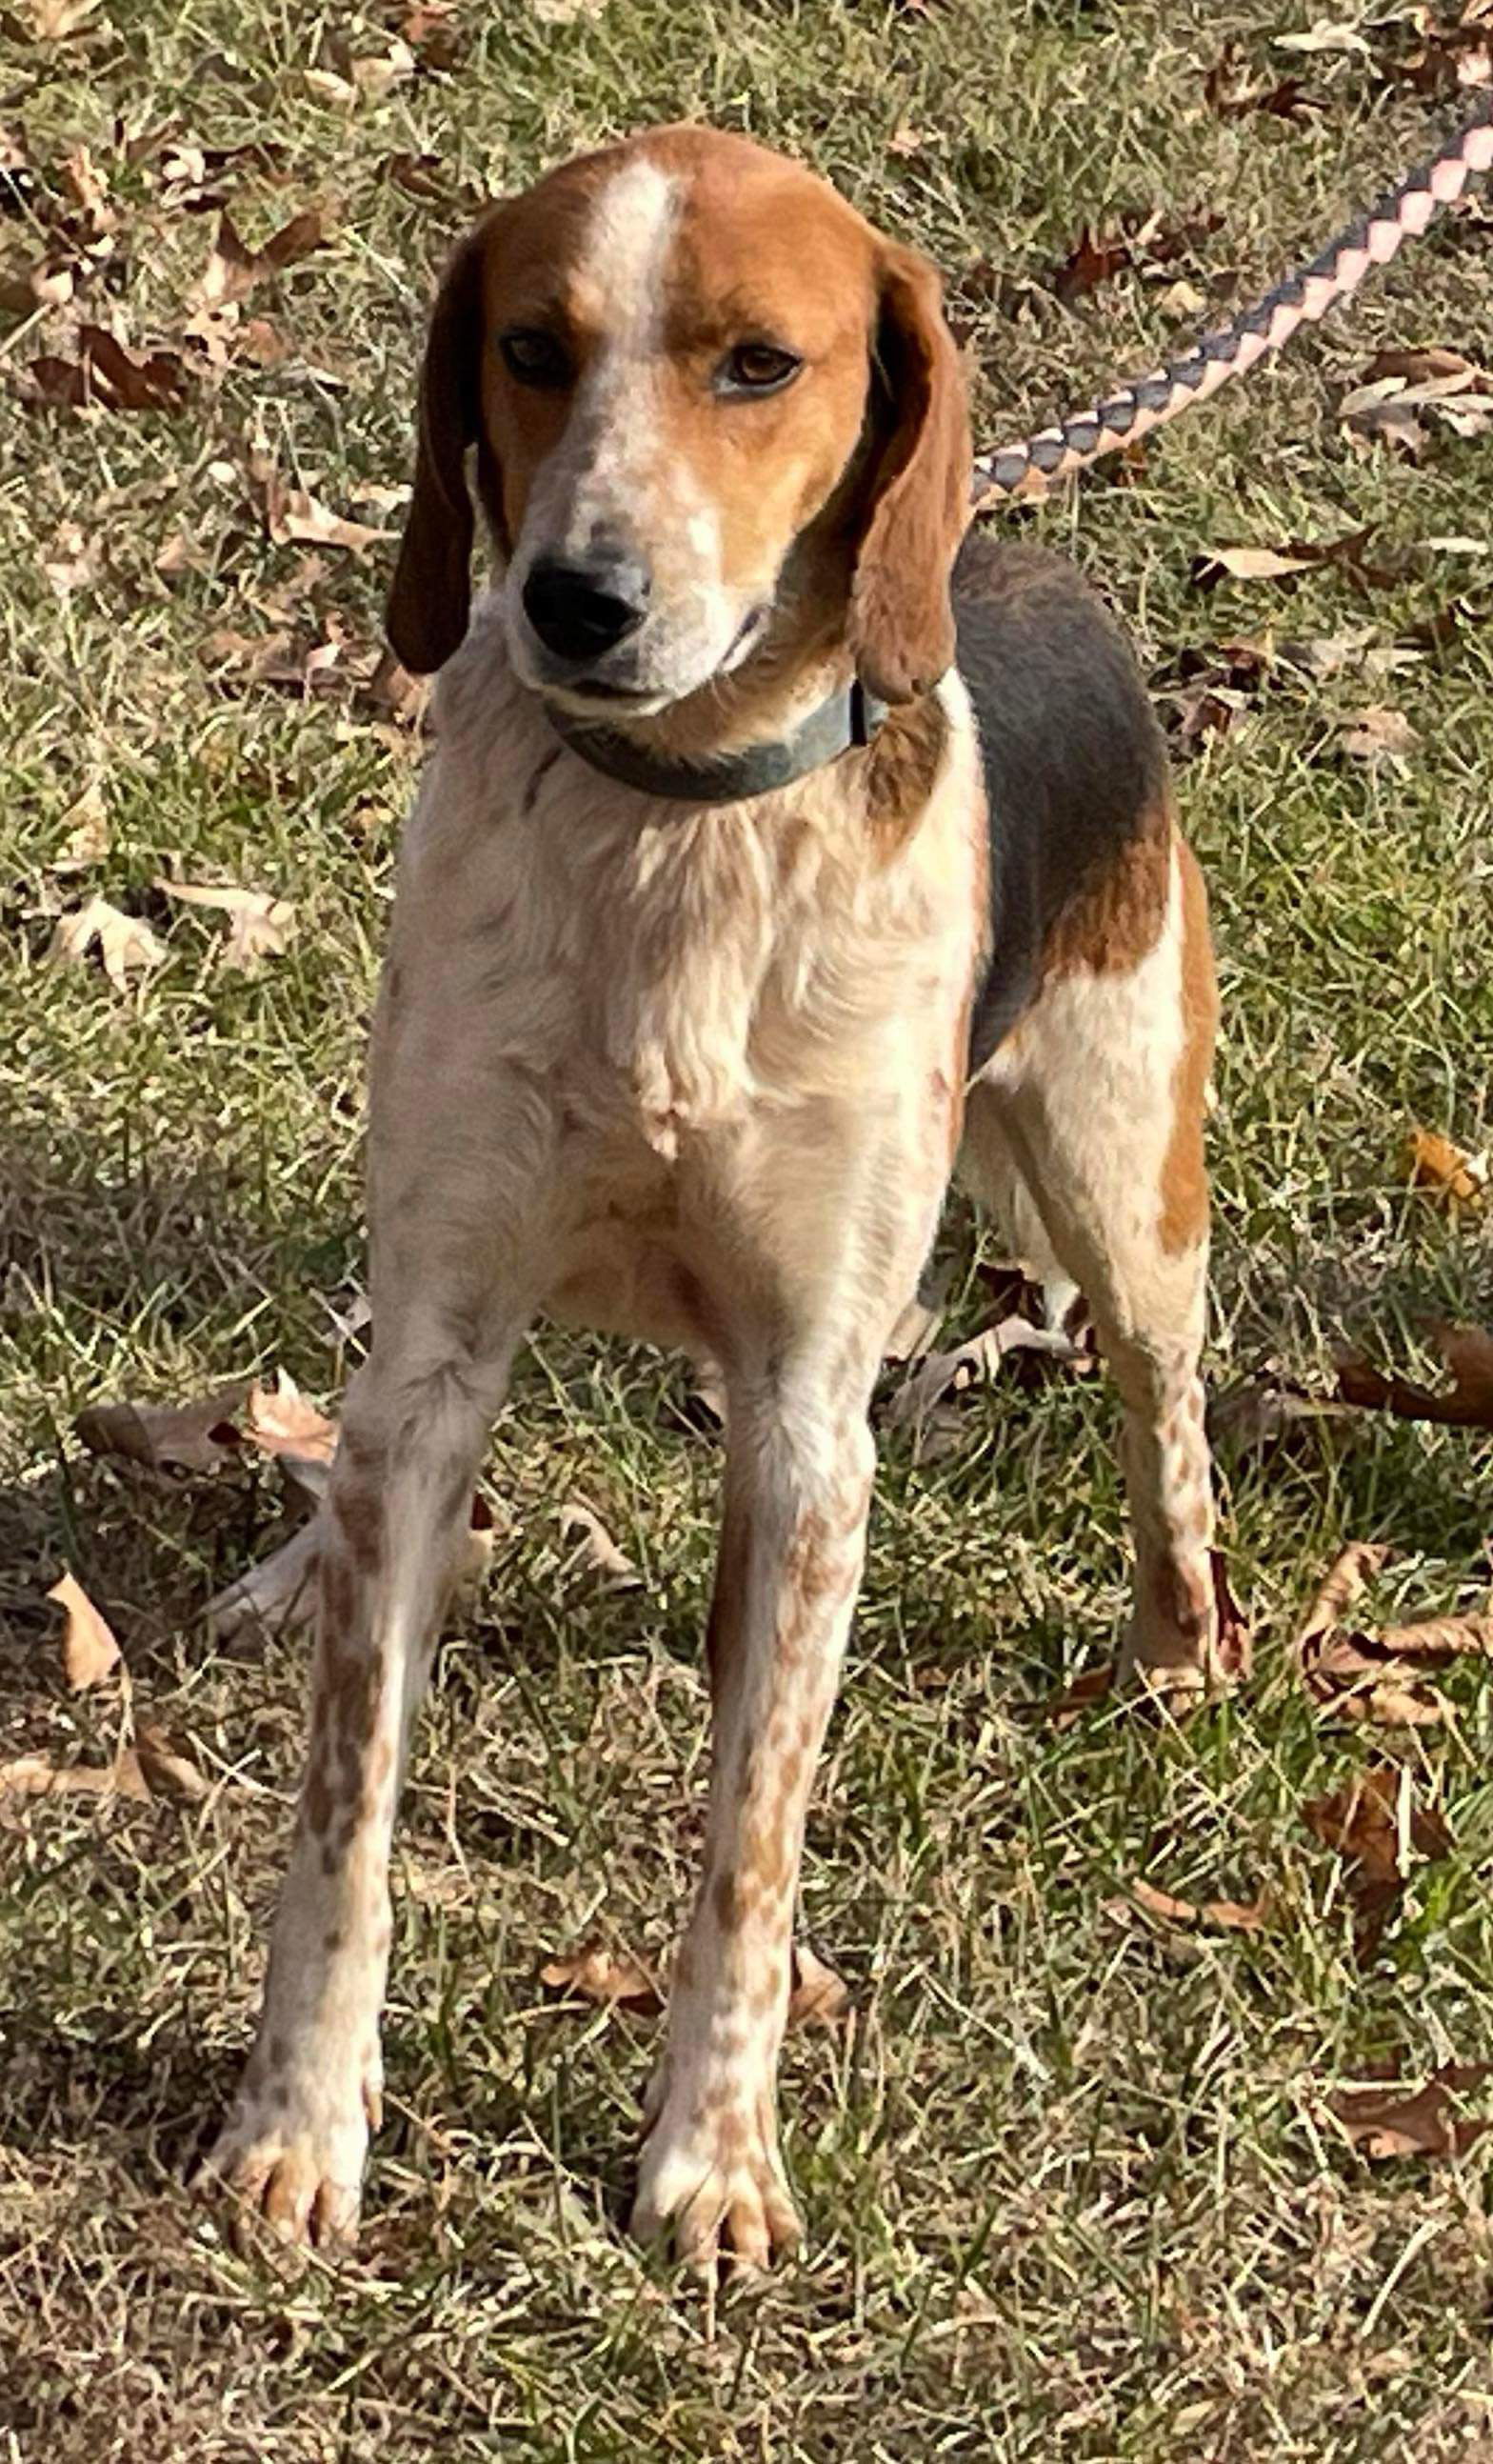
x=783, y=850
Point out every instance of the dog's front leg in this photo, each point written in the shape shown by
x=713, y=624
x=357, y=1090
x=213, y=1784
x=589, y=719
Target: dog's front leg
x=392, y=1535
x=797, y=1486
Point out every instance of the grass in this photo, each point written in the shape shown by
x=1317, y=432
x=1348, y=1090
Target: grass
x=1069, y=2184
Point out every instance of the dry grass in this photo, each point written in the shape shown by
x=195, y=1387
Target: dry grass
x=1069, y=2184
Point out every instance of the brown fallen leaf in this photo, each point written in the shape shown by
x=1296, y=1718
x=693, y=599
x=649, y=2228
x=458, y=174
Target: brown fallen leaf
x=1232, y=1916
x=235, y=270
x=126, y=943
x=1090, y=261
x=89, y=1649
x=1351, y=1677
x=196, y=1437
x=1447, y=1638
x=1369, y=1677
x=598, y=1973
x=1349, y=554
x=1246, y=564
x=33, y=1775
x=1346, y=1578
x=1229, y=98
x=1262, y=1414
x=595, y=1547
x=1437, y=1163
x=53, y=21
x=430, y=30
x=817, y=1997
x=259, y=924
x=1468, y=1353
x=1376, y=733
x=166, y=1770
x=1236, y=1641
x=1371, y=1824
x=88, y=834
x=280, y=1422
x=1396, y=2120
x=1093, y=1687
x=290, y=515
x=981, y=1358
x=106, y=374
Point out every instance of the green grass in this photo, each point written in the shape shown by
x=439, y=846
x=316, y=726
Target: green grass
x=1068, y=2187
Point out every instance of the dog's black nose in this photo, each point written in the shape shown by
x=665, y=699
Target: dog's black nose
x=581, y=610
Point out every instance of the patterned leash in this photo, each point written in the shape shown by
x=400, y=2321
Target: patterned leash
x=1029, y=468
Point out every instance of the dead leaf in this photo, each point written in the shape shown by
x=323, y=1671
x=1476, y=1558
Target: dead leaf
x=33, y=1775
x=197, y=1437
x=911, y=1337
x=981, y=1358
x=1349, y=554
x=1236, y=1647
x=1287, y=99
x=291, y=514
x=1346, y=1578
x=817, y=1998
x=597, y=1973
x=1374, y=1825
x=1262, y=1414
x=1447, y=1638
x=1090, y=262
x=89, y=1649
x=1327, y=34
x=594, y=1546
x=430, y=30
x=107, y=375
x=87, y=826
x=1396, y=2120
x=53, y=21
x=1468, y=1353
x=1093, y=1687
x=166, y=1771
x=1232, y=1916
x=280, y=1422
x=126, y=943
x=1437, y=1165
x=233, y=269
x=565, y=12
x=259, y=924
x=1353, y=1675
x=1245, y=564
x=1377, y=735
x=905, y=140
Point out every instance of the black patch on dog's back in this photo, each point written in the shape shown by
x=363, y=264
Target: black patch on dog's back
x=1075, y=767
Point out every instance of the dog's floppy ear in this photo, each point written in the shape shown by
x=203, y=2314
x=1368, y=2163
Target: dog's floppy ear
x=431, y=599
x=918, y=493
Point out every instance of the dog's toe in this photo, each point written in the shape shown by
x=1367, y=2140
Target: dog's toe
x=715, y=2190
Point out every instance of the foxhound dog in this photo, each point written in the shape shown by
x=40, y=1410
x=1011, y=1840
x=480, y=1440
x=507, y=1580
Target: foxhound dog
x=782, y=848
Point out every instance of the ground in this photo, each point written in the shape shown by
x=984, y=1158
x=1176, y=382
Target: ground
x=1071, y=2183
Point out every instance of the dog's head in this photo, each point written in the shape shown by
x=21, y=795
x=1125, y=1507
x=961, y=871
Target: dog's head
x=676, y=360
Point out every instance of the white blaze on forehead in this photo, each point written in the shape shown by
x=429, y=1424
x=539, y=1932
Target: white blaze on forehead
x=628, y=245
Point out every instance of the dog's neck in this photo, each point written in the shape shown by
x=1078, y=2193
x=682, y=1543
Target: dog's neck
x=793, y=704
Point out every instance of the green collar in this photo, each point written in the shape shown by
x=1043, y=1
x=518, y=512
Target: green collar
x=850, y=718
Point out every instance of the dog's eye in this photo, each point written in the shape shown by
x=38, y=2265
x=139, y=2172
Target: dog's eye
x=533, y=357
x=758, y=368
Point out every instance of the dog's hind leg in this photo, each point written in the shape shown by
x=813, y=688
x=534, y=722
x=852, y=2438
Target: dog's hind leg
x=1098, y=1098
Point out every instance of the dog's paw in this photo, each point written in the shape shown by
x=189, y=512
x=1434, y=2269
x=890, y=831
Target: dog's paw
x=293, y=2149
x=712, y=2183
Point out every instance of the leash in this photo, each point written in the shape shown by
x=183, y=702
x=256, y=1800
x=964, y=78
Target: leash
x=1029, y=468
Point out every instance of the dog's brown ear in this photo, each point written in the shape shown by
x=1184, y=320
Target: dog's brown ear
x=430, y=598
x=916, y=502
